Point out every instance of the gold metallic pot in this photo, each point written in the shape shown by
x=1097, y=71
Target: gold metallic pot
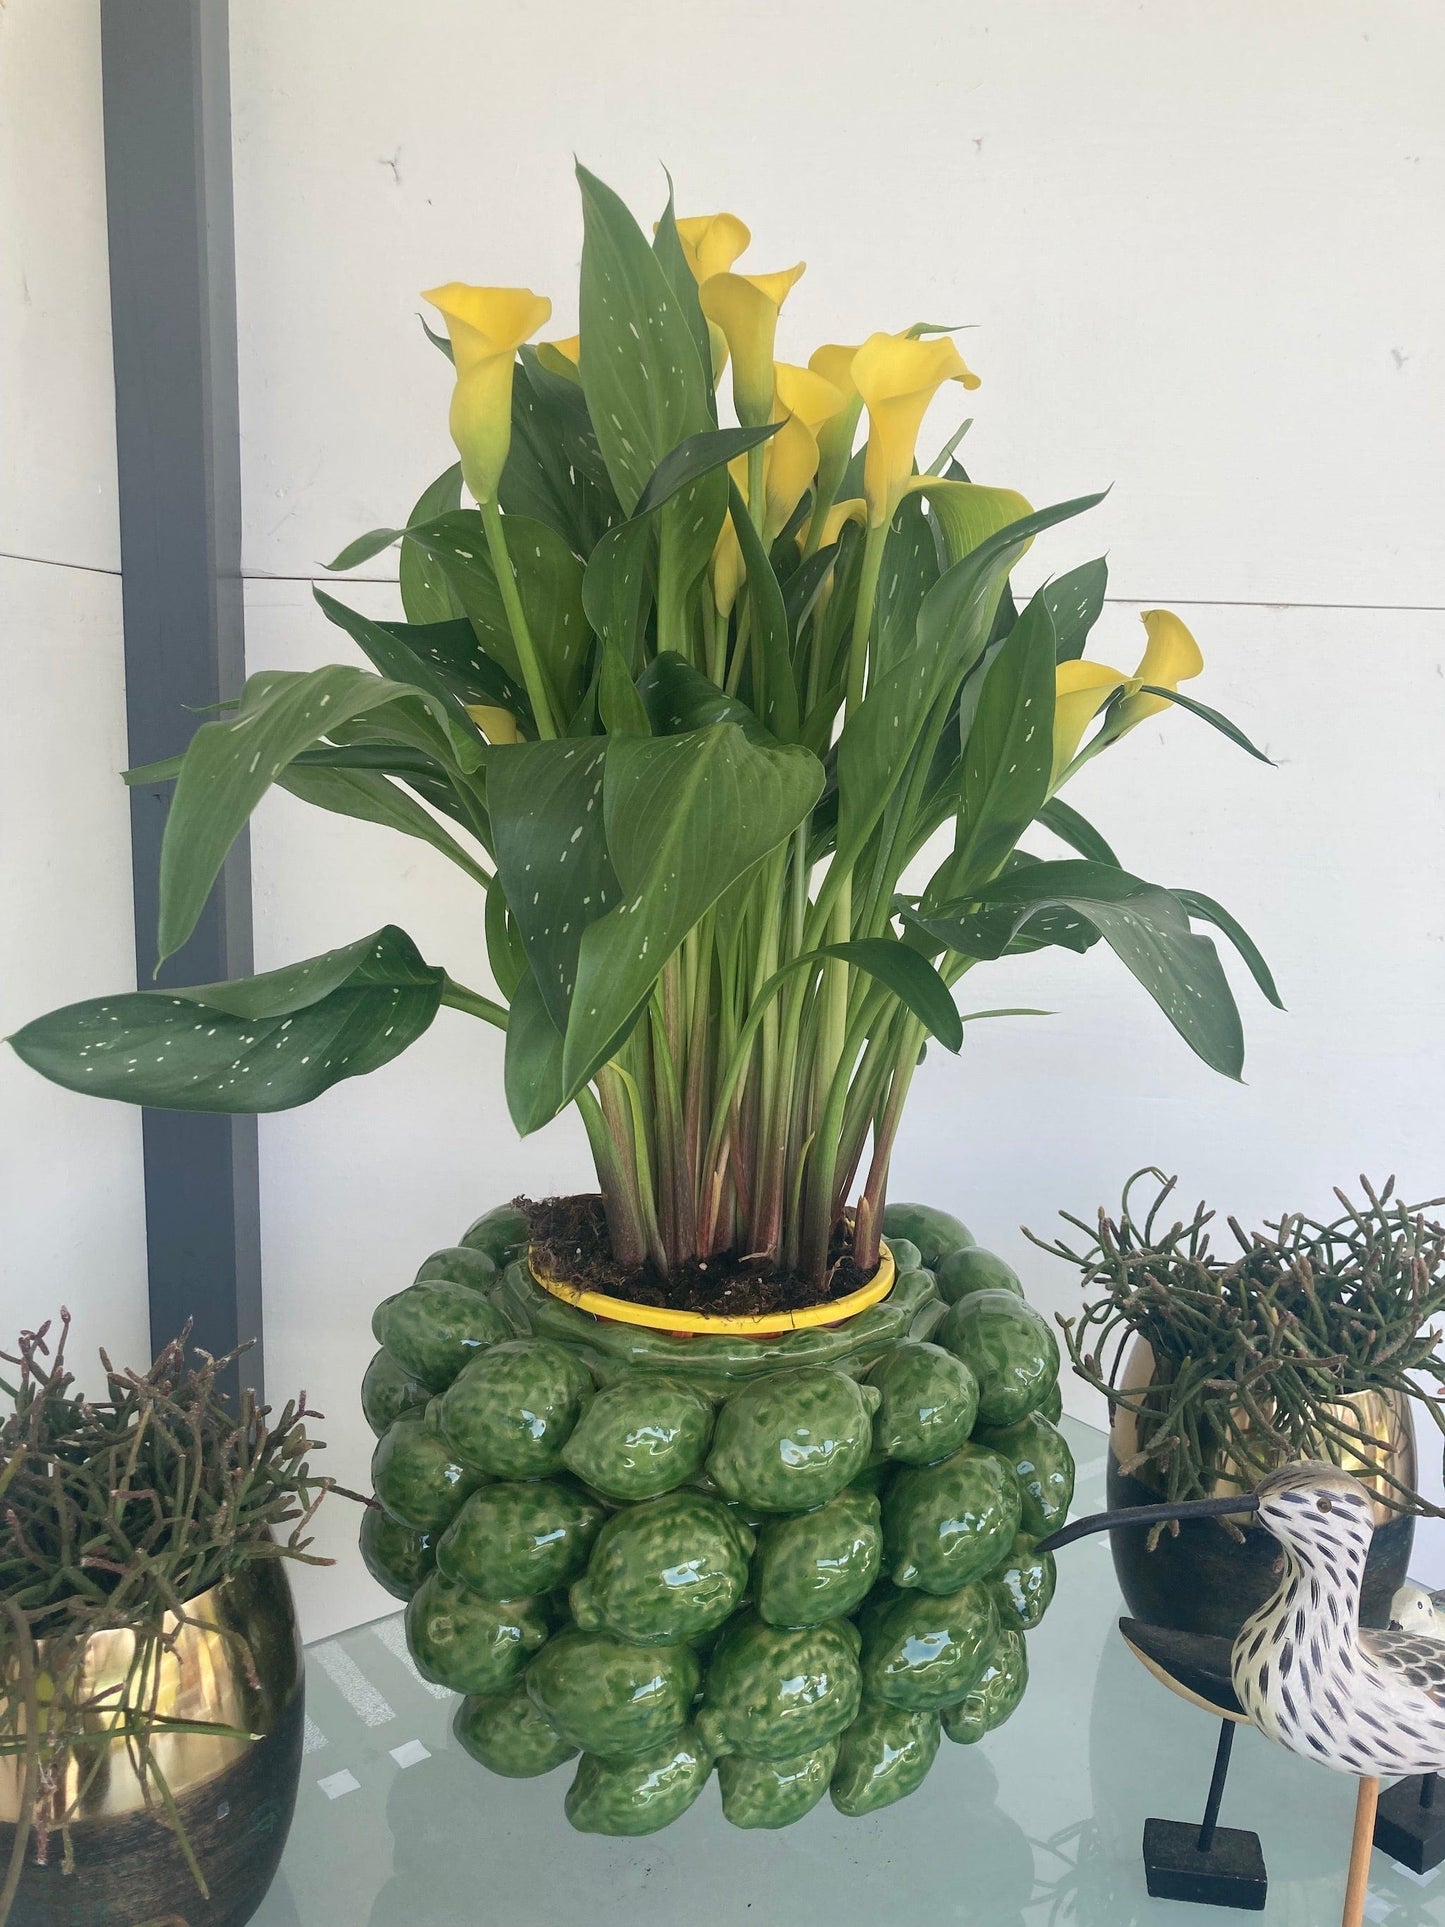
x=1204, y=1580
x=236, y=1662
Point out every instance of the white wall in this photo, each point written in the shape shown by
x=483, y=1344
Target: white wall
x=1200, y=245
x=72, y=1229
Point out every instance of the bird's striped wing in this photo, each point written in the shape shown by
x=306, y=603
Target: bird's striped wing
x=1414, y=1658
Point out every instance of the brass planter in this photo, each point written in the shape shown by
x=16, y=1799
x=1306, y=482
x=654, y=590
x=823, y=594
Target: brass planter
x=240, y=1667
x=1204, y=1580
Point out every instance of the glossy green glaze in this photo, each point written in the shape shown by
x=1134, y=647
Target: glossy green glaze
x=1043, y=1466
x=641, y=1794
x=417, y=1476
x=819, y=1565
x=947, y=1524
x=388, y=1392
x=610, y=1697
x=501, y=1233
x=459, y=1265
x=971, y=1269
x=929, y=1401
x=924, y=1652
x=666, y=1569
x=775, y=1691
x=726, y=1512
x=934, y=1232
x=511, y=1540
x=774, y=1793
x=884, y=1756
x=791, y=1441
x=1023, y=1585
x=506, y=1732
x=906, y=1256
x=513, y=1409
x=714, y=1365
x=1051, y=1405
x=471, y=1644
x=1010, y=1349
x=397, y=1556
x=435, y=1328
x=641, y=1437
x=995, y=1694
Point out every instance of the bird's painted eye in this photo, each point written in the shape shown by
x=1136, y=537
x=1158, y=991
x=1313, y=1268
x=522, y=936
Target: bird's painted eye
x=1325, y=1505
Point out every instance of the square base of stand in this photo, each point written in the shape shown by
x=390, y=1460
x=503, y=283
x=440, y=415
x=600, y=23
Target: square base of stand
x=1230, y=1874
x=1412, y=1834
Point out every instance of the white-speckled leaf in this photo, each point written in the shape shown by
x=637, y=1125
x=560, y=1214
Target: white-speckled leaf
x=231, y=763
x=685, y=817
x=1008, y=757
x=645, y=386
x=1145, y=926
x=545, y=801
x=259, y=1044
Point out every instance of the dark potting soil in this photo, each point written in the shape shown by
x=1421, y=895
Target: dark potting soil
x=569, y=1237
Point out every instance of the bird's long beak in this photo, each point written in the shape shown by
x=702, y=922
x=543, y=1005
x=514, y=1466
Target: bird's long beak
x=1149, y=1515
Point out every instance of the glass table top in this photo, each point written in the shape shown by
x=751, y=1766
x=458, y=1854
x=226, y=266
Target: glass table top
x=1041, y=1823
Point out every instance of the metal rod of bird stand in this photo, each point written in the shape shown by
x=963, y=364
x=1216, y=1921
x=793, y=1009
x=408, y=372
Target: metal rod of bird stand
x=1360, y=1848
x=1216, y=1786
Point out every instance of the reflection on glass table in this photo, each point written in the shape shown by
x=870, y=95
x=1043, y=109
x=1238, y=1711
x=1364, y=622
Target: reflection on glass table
x=1041, y=1823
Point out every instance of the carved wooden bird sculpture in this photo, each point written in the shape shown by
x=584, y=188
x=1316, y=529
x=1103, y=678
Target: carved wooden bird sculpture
x=1302, y=1668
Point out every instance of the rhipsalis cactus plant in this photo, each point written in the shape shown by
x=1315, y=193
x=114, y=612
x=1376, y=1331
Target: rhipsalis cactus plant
x=117, y=1513
x=737, y=726
x=1258, y=1350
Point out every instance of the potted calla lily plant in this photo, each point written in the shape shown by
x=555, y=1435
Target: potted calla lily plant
x=738, y=725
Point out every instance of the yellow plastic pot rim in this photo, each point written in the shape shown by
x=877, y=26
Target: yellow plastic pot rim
x=762, y=1325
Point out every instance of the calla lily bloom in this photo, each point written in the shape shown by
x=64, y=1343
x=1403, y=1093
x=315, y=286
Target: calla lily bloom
x=728, y=567
x=1081, y=690
x=834, y=363
x=746, y=307
x=855, y=509
x=562, y=357
x=487, y=326
x=898, y=378
x=711, y=242
x=1171, y=656
x=804, y=402
x=496, y=724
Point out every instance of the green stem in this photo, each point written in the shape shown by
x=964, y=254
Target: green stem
x=457, y=997
x=757, y=491
x=538, y=693
x=671, y=595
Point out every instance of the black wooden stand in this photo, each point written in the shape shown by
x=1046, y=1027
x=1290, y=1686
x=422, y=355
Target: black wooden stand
x=1410, y=1825
x=1213, y=1865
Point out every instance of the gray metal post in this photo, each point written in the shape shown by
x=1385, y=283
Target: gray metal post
x=166, y=83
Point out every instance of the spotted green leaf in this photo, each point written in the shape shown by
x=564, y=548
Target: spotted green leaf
x=259, y=1044
x=1145, y=926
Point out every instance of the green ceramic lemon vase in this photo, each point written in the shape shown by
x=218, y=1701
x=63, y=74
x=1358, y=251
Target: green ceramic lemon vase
x=799, y=1559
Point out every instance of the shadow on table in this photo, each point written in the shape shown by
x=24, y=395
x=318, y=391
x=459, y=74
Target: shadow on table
x=1151, y=1753
x=465, y=1841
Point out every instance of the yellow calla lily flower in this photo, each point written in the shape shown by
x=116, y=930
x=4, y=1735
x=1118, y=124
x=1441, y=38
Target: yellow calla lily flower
x=834, y=363
x=562, y=357
x=746, y=307
x=1081, y=690
x=728, y=567
x=1171, y=656
x=898, y=378
x=711, y=242
x=837, y=518
x=497, y=725
x=803, y=401
x=487, y=326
